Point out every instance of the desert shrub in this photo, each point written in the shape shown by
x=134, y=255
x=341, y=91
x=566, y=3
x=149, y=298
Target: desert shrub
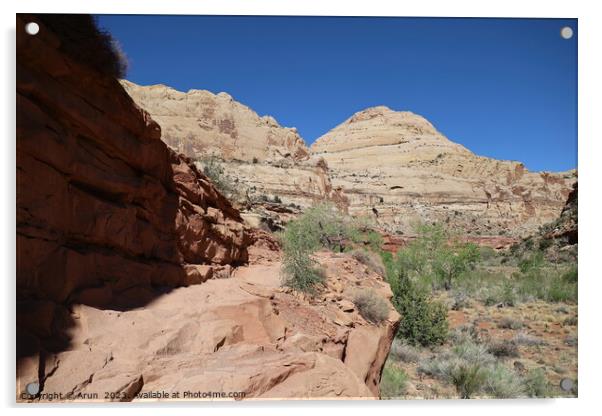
x=375, y=240
x=402, y=351
x=255, y=160
x=503, y=348
x=371, y=306
x=523, y=338
x=571, y=321
x=467, y=379
x=320, y=226
x=487, y=254
x=536, y=384
x=545, y=243
x=436, y=257
x=507, y=295
x=570, y=276
x=509, y=323
x=393, y=382
x=81, y=39
x=451, y=261
x=213, y=169
x=502, y=383
x=464, y=333
x=423, y=321
x=474, y=353
x=370, y=259
x=473, y=370
x=571, y=341
x=461, y=301
x=532, y=262
x=465, y=367
x=561, y=291
x=541, y=280
x=300, y=272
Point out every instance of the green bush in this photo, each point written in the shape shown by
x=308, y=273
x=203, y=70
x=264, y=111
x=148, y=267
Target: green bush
x=371, y=306
x=436, y=257
x=502, y=383
x=467, y=378
x=423, y=321
x=465, y=367
x=503, y=348
x=570, y=276
x=320, y=226
x=472, y=370
x=301, y=272
x=536, y=384
x=393, y=383
x=532, y=262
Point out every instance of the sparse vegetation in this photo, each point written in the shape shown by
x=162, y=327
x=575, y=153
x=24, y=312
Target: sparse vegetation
x=536, y=384
x=503, y=348
x=321, y=226
x=509, y=323
x=404, y=352
x=371, y=306
x=214, y=170
x=437, y=257
x=370, y=259
x=393, y=382
x=482, y=357
x=473, y=370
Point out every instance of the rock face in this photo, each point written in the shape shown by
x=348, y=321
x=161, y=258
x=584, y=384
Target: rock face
x=565, y=228
x=199, y=122
x=397, y=168
x=136, y=276
x=243, y=336
x=261, y=158
x=101, y=200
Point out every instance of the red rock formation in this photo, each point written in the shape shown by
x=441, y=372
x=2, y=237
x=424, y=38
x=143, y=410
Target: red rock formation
x=105, y=209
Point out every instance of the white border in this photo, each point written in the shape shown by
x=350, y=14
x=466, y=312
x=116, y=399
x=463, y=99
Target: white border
x=590, y=135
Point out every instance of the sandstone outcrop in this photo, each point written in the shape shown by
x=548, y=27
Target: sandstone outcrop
x=101, y=200
x=565, y=229
x=136, y=278
x=239, y=335
x=398, y=169
x=199, y=122
x=261, y=159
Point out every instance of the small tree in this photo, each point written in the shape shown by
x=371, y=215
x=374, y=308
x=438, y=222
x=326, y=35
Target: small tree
x=450, y=261
x=423, y=322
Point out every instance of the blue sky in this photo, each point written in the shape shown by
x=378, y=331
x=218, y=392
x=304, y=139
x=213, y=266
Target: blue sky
x=504, y=88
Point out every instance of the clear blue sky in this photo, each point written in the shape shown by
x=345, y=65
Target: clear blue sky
x=504, y=88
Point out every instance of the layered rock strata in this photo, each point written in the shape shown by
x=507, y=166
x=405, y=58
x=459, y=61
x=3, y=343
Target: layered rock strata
x=398, y=169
